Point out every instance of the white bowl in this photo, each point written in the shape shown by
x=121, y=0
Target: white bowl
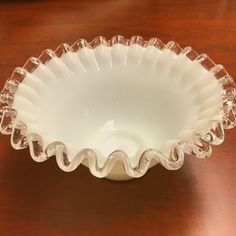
x=118, y=106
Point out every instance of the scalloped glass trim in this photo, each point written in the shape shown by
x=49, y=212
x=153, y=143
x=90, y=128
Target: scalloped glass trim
x=194, y=141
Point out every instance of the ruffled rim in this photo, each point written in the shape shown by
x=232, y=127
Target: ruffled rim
x=200, y=145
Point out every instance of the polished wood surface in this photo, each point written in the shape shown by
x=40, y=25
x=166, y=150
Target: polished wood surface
x=40, y=199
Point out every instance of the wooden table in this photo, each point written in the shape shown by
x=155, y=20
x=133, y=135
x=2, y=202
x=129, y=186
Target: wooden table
x=40, y=199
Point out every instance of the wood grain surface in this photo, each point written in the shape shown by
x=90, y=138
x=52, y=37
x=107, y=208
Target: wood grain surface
x=40, y=199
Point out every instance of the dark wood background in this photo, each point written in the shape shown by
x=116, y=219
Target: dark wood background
x=40, y=199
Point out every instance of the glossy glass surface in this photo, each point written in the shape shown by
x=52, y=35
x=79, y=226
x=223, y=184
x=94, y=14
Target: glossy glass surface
x=210, y=84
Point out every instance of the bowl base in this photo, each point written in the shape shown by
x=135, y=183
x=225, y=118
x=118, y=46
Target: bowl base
x=118, y=172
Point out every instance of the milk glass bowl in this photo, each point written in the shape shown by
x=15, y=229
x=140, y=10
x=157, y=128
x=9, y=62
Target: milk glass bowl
x=118, y=106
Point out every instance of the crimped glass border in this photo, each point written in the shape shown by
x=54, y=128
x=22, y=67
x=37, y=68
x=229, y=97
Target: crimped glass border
x=200, y=148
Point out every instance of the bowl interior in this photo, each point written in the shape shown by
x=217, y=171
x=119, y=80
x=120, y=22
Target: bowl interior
x=131, y=106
